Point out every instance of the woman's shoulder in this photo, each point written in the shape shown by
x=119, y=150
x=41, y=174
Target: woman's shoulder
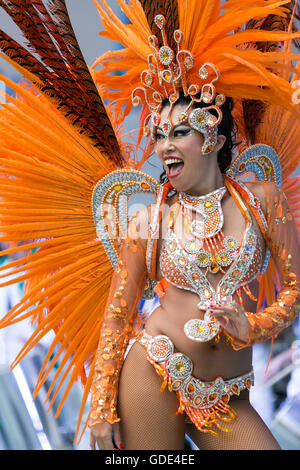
x=264, y=191
x=141, y=220
x=145, y=214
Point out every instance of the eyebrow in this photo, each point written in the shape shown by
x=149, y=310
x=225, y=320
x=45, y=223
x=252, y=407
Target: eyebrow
x=175, y=127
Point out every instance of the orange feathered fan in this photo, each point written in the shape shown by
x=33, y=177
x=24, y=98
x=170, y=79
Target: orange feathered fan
x=56, y=143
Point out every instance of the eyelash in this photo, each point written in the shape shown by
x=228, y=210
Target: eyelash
x=177, y=133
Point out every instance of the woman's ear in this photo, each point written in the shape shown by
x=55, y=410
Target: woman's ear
x=221, y=141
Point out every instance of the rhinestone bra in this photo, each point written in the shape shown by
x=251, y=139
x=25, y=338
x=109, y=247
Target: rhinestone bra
x=178, y=266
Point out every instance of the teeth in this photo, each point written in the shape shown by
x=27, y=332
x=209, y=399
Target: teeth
x=169, y=161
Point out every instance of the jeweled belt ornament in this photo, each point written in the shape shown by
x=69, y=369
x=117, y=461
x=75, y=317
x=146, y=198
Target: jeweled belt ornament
x=203, y=402
x=202, y=330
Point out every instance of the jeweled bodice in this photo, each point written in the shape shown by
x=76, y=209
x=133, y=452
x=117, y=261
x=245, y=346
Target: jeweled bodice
x=239, y=261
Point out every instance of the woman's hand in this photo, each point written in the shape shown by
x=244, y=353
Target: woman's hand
x=101, y=434
x=233, y=319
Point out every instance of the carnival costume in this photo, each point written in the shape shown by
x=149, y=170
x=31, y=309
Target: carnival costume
x=67, y=174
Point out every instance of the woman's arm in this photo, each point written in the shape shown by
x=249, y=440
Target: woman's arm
x=283, y=242
x=124, y=296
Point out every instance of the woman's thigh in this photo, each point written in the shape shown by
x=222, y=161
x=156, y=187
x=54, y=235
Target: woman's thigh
x=246, y=432
x=148, y=416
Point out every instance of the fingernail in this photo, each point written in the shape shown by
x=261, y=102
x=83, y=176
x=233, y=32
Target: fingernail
x=121, y=446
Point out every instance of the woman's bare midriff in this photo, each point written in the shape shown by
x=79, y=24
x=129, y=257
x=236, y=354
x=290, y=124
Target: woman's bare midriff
x=211, y=359
x=177, y=306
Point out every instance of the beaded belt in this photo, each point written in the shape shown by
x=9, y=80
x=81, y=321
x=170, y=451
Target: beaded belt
x=204, y=402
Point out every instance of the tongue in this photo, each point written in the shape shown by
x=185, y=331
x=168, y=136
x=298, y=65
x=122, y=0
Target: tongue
x=175, y=168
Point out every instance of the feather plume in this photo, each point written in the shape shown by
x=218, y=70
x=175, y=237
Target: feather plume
x=55, y=65
x=48, y=173
x=167, y=8
x=213, y=32
x=253, y=109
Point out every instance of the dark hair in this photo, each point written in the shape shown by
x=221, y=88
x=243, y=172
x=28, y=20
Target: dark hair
x=227, y=127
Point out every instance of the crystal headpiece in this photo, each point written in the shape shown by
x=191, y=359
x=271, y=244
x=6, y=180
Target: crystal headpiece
x=166, y=77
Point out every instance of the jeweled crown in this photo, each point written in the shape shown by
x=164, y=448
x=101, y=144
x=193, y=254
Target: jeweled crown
x=167, y=76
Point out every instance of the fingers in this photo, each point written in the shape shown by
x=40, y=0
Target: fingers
x=106, y=443
x=233, y=319
x=226, y=314
x=232, y=310
x=101, y=434
x=223, y=320
x=117, y=435
x=92, y=442
x=103, y=443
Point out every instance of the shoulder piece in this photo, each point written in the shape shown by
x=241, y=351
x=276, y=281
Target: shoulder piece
x=110, y=206
x=253, y=202
x=255, y=206
x=260, y=160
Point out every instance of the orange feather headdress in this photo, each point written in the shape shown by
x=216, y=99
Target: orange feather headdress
x=211, y=32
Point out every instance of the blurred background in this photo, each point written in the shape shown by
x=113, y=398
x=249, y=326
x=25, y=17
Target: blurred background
x=26, y=423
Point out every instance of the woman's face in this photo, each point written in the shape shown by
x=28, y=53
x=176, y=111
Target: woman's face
x=181, y=155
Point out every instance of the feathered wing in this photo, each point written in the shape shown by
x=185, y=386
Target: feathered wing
x=55, y=65
x=277, y=127
x=281, y=130
x=56, y=143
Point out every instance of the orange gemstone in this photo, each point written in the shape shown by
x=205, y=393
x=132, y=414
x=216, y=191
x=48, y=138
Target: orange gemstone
x=176, y=384
x=213, y=397
x=173, y=98
x=225, y=398
x=182, y=116
x=214, y=268
x=203, y=258
x=188, y=62
x=123, y=274
x=236, y=389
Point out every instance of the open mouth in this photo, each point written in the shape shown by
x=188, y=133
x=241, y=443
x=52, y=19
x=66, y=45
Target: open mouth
x=174, y=167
